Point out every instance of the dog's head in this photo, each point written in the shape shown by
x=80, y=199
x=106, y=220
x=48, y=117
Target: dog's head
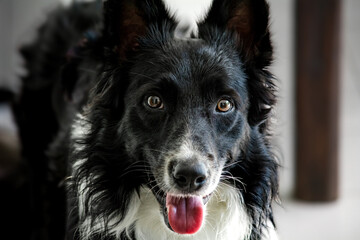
x=185, y=111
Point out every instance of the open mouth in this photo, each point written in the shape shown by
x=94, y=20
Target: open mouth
x=182, y=214
x=186, y=214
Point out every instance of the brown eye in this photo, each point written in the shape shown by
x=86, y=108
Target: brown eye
x=155, y=102
x=224, y=105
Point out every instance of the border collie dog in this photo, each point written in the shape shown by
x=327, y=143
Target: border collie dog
x=163, y=136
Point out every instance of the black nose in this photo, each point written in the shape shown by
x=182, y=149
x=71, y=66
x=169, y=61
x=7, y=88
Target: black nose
x=190, y=177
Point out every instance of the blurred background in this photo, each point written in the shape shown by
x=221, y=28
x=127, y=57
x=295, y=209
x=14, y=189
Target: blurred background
x=331, y=219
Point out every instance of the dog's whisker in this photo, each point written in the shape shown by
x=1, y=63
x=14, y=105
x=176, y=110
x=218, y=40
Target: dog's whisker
x=165, y=152
x=135, y=167
x=135, y=163
x=232, y=164
x=234, y=179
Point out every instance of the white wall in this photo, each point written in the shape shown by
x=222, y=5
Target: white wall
x=18, y=20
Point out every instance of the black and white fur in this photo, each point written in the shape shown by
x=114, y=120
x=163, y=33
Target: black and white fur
x=123, y=154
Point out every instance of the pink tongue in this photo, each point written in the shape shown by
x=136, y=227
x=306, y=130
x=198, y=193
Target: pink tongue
x=185, y=214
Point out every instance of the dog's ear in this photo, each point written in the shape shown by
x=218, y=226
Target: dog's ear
x=127, y=20
x=248, y=20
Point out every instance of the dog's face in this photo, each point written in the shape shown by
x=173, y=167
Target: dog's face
x=186, y=115
x=187, y=110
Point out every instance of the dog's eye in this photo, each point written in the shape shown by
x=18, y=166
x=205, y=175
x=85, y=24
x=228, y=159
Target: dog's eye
x=224, y=105
x=155, y=102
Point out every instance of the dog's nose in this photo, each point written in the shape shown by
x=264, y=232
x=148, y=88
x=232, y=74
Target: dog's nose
x=190, y=177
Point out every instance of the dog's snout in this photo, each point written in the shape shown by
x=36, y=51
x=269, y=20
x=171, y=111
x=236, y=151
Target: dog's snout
x=190, y=177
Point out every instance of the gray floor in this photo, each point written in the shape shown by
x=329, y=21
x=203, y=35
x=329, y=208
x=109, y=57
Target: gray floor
x=339, y=220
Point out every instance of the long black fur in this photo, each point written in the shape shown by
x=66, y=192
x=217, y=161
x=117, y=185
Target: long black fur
x=104, y=75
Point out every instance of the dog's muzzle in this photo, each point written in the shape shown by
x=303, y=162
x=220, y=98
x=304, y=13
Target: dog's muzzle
x=185, y=207
x=189, y=177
